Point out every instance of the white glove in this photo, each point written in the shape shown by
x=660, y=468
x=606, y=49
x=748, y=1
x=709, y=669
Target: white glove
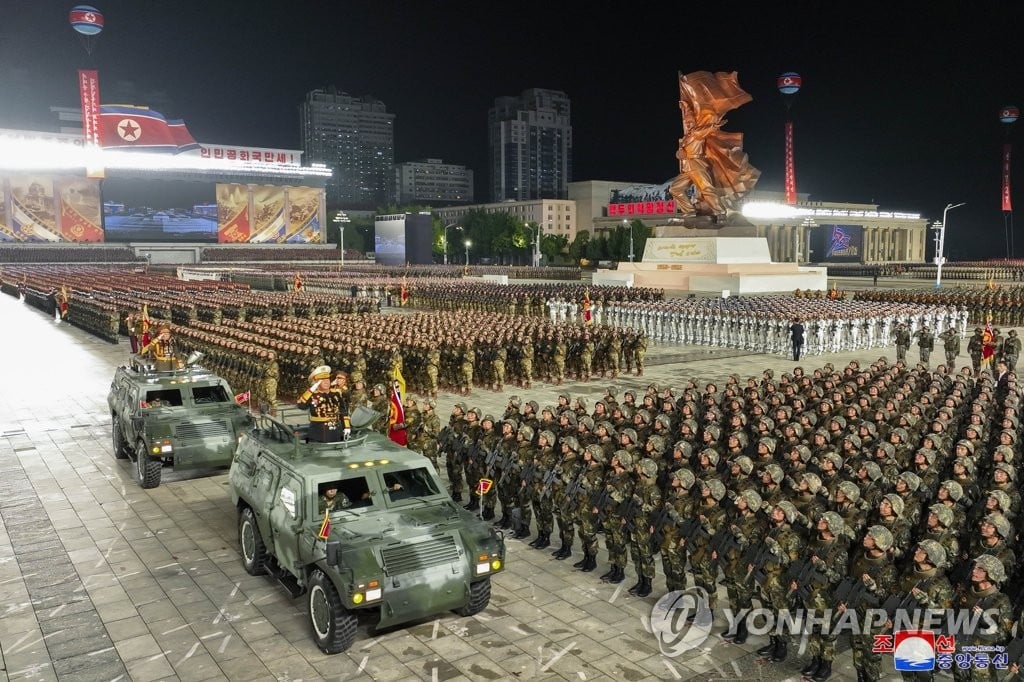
x=347, y=433
x=312, y=389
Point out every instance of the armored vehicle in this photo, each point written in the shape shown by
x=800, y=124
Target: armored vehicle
x=364, y=528
x=187, y=418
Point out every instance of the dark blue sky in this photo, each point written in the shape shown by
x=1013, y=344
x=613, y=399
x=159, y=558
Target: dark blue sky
x=899, y=104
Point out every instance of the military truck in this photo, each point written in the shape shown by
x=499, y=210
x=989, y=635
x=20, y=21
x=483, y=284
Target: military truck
x=186, y=418
x=390, y=548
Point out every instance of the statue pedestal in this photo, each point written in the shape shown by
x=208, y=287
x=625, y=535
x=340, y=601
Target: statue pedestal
x=740, y=265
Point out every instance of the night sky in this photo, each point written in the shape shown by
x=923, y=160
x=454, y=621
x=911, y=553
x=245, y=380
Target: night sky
x=899, y=105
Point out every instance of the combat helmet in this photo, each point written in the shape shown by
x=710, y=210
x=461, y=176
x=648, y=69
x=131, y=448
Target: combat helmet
x=882, y=537
x=993, y=567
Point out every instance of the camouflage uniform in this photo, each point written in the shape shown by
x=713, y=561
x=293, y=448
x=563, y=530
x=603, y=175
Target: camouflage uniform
x=620, y=484
x=874, y=563
x=680, y=506
x=592, y=483
x=711, y=516
x=565, y=513
x=430, y=427
x=828, y=554
x=648, y=495
x=786, y=546
x=748, y=531
x=989, y=598
x=543, y=509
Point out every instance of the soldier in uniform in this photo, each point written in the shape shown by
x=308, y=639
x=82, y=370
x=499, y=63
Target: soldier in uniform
x=951, y=347
x=546, y=459
x=430, y=428
x=680, y=506
x=829, y=557
x=902, y=341
x=452, y=462
x=523, y=478
x=648, y=495
x=162, y=348
x=565, y=514
x=748, y=531
x=974, y=348
x=786, y=546
x=619, y=483
x=1011, y=350
x=711, y=516
x=871, y=565
x=592, y=482
x=983, y=593
x=328, y=414
x=925, y=343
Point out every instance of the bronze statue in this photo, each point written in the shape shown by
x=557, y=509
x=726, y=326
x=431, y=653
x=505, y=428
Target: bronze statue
x=713, y=168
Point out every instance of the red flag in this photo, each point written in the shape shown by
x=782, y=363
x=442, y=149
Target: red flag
x=790, y=181
x=298, y=282
x=145, y=325
x=141, y=128
x=243, y=397
x=1007, y=205
x=89, y=94
x=325, y=527
x=396, y=411
x=586, y=308
x=404, y=296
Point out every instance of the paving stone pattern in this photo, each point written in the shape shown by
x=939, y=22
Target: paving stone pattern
x=100, y=580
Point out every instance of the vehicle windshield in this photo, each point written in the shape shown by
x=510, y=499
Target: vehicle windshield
x=410, y=484
x=163, y=398
x=205, y=395
x=345, y=495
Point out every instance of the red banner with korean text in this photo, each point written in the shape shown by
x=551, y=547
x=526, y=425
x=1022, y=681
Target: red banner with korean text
x=1007, y=205
x=89, y=93
x=233, y=224
x=790, y=166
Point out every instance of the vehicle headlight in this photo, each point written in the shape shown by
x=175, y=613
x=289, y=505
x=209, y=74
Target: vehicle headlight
x=496, y=565
x=357, y=598
x=374, y=594
x=483, y=567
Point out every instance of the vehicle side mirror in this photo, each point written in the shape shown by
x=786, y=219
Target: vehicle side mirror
x=333, y=553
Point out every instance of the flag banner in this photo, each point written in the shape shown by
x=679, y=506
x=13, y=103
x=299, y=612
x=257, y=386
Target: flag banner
x=142, y=129
x=586, y=308
x=297, y=282
x=89, y=94
x=1007, y=206
x=145, y=325
x=268, y=219
x=790, y=166
x=33, y=209
x=396, y=416
x=243, y=398
x=80, y=211
x=233, y=223
x=325, y=527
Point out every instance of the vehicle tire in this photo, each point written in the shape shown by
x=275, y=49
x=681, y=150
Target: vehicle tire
x=254, y=552
x=121, y=450
x=147, y=470
x=479, y=598
x=334, y=627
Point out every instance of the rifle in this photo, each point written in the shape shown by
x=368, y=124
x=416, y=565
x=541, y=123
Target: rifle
x=659, y=521
x=548, y=482
x=905, y=602
x=599, y=501
x=690, y=530
x=805, y=574
x=491, y=461
x=628, y=510
x=854, y=593
x=757, y=557
x=723, y=542
x=529, y=473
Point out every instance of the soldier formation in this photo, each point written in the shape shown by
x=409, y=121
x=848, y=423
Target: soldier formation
x=996, y=303
x=819, y=489
x=763, y=324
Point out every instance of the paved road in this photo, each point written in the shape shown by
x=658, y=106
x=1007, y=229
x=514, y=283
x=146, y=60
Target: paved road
x=100, y=580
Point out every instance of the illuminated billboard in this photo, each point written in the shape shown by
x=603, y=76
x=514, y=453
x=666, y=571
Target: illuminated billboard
x=269, y=214
x=158, y=210
x=43, y=208
x=838, y=243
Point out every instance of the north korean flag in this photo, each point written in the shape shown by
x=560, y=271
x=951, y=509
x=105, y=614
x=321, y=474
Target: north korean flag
x=141, y=128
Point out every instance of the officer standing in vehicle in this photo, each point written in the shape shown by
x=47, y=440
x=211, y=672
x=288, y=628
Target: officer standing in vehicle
x=328, y=415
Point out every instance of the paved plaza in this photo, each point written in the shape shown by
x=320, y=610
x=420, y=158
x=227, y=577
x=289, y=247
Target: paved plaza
x=100, y=580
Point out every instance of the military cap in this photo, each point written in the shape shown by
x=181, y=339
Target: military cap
x=685, y=477
x=625, y=459
x=882, y=537
x=711, y=454
x=752, y=498
x=716, y=487
x=774, y=471
x=943, y=513
x=648, y=468
x=745, y=464
x=993, y=567
x=571, y=443
x=320, y=373
x=896, y=502
x=850, y=490
x=788, y=510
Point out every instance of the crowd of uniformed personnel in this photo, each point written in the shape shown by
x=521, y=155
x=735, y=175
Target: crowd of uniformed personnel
x=434, y=351
x=998, y=304
x=813, y=489
x=519, y=299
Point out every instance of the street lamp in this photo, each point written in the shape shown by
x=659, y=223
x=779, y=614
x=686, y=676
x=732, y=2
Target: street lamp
x=468, y=244
x=457, y=227
x=627, y=224
x=536, y=230
x=340, y=219
x=940, y=243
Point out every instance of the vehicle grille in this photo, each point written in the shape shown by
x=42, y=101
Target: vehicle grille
x=406, y=558
x=187, y=432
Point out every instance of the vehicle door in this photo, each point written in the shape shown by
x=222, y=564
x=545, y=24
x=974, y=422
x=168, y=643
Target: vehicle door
x=132, y=419
x=263, y=492
x=286, y=519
